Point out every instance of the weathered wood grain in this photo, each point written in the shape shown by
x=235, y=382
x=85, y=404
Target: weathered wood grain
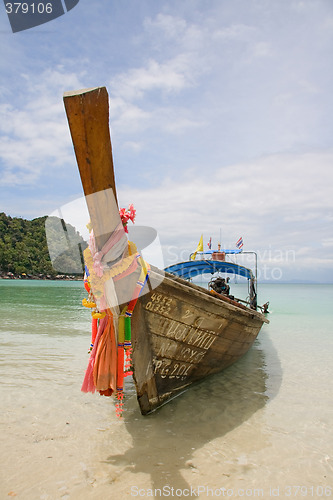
x=181, y=333
x=88, y=117
x=185, y=334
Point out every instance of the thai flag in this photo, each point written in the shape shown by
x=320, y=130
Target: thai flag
x=239, y=243
x=210, y=243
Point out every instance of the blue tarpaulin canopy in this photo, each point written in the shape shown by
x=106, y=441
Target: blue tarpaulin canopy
x=193, y=268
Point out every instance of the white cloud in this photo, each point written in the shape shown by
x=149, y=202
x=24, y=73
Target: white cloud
x=260, y=49
x=222, y=89
x=33, y=130
x=327, y=242
x=133, y=146
x=171, y=76
x=259, y=200
x=127, y=117
x=238, y=32
x=172, y=27
x=172, y=31
x=171, y=73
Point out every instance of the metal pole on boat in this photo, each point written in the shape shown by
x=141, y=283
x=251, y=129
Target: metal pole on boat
x=256, y=265
x=255, y=278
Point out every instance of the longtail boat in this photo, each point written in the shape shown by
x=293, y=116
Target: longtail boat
x=180, y=332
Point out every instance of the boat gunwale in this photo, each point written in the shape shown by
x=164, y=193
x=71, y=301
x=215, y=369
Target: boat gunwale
x=229, y=303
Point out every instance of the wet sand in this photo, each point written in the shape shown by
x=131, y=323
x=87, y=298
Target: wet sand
x=260, y=429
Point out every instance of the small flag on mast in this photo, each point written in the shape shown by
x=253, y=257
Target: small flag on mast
x=199, y=248
x=239, y=243
x=210, y=243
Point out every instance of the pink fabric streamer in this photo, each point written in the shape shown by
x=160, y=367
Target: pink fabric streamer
x=128, y=271
x=88, y=382
x=98, y=256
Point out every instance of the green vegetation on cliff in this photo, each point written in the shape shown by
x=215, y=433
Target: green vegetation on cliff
x=24, y=249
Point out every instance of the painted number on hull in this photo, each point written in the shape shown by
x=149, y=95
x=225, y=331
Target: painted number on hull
x=159, y=304
x=187, y=314
x=166, y=369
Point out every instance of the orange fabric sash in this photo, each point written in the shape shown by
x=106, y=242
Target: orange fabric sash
x=105, y=366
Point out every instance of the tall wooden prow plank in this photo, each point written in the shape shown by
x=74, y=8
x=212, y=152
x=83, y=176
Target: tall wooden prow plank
x=88, y=117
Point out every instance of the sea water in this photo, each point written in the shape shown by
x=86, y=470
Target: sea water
x=261, y=429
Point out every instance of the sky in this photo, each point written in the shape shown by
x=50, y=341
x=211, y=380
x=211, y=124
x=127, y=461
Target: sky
x=220, y=116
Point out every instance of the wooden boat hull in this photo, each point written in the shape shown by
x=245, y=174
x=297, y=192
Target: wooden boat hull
x=181, y=334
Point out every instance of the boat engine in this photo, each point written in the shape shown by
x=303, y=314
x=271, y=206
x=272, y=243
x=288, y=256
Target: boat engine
x=220, y=285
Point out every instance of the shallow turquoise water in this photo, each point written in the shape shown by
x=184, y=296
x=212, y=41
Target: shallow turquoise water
x=266, y=422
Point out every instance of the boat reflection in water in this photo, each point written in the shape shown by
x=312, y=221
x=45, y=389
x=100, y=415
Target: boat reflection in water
x=171, y=440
